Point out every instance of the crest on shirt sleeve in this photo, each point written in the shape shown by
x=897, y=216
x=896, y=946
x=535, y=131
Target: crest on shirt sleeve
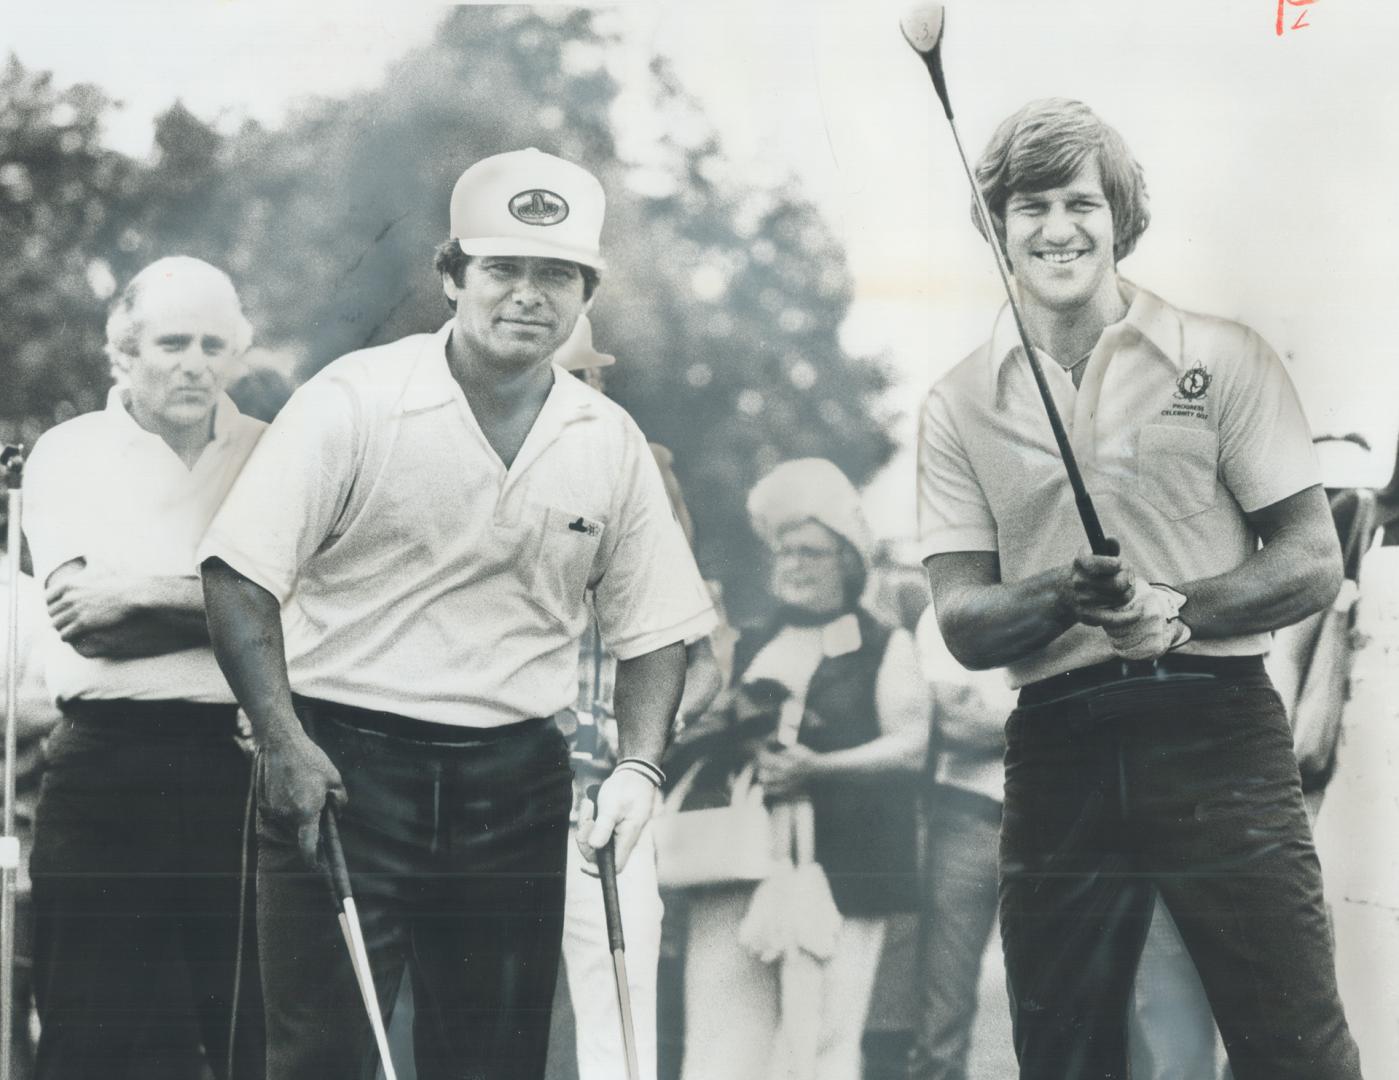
x=1194, y=384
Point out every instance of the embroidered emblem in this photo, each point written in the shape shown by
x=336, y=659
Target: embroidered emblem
x=581, y=526
x=538, y=207
x=1195, y=383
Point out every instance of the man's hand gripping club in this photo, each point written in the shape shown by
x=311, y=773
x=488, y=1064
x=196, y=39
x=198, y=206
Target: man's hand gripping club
x=298, y=782
x=1142, y=620
x=624, y=805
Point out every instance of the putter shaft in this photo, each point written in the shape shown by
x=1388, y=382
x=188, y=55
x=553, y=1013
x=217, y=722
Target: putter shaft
x=338, y=877
x=612, y=910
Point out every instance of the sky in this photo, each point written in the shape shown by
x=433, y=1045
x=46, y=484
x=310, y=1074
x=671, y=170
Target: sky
x=1270, y=158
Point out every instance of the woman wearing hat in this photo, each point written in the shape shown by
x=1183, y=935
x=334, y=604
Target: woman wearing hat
x=778, y=982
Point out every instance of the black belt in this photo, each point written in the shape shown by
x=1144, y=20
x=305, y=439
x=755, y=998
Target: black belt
x=155, y=718
x=1110, y=672
x=395, y=726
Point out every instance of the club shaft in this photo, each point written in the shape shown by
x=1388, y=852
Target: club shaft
x=619, y=971
x=1087, y=513
x=359, y=957
x=338, y=879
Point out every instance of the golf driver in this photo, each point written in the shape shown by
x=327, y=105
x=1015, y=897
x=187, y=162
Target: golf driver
x=607, y=875
x=338, y=876
x=922, y=26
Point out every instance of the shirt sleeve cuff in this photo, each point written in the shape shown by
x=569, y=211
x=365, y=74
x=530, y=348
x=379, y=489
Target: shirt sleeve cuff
x=215, y=547
x=690, y=630
x=1253, y=501
x=962, y=538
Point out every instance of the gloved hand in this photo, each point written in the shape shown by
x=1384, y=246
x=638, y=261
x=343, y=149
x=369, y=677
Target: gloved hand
x=1149, y=624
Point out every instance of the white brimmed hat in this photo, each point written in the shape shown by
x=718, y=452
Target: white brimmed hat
x=577, y=353
x=527, y=202
x=809, y=489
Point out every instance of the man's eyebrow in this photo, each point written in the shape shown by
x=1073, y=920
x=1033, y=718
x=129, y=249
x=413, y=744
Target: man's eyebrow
x=174, y=339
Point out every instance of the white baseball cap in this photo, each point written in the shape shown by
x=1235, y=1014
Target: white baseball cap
x=527, y=202
x=577, y=353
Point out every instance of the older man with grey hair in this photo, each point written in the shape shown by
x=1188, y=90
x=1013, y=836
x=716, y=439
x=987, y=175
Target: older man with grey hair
x=139, y=834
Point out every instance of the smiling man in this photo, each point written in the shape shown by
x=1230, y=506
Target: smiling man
x=139, y=827
x=1148, y=752
x=423, y=521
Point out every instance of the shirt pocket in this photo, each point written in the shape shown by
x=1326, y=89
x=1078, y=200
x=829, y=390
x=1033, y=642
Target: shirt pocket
x=564, y=556
x=1177, y=469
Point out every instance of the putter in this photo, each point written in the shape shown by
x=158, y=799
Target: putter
x=922, y=26
x=607, y=876
x=338, y=877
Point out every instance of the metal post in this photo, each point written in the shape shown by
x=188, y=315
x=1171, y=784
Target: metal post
x=13, y=464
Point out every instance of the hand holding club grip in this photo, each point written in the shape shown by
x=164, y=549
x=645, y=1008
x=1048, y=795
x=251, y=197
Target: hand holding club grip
x=607, y=875
x=336, y=872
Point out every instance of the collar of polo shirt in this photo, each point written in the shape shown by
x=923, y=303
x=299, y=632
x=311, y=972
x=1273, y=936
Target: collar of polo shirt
x=432, y=384
x=1147, y=316
x=225, y=416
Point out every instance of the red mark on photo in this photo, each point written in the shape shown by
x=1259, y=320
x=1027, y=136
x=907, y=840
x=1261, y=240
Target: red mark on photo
x=1300, y=23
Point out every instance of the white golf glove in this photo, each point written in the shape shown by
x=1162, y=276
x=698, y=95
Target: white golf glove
x=1156, y=629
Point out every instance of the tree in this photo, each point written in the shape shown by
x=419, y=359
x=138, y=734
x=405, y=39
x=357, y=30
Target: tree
x=723, y=298
x=63, y=200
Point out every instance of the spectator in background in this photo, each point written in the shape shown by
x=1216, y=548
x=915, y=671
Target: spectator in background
x=35, y=717
x=852, y=713
x=140, y=830
x=592, y=734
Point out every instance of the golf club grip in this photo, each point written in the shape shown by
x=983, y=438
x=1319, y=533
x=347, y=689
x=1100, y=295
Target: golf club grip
x=607, y=877
x=336, y=869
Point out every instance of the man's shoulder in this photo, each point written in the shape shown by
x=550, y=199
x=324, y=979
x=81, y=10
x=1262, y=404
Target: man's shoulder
x=378, y=373
x=967, y=380
x=87, y=432
x=1213, y=339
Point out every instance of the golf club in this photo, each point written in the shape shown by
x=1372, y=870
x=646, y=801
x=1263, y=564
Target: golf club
x=338, y=876
x=607, y=876
x=923, y=26
x=12, y=465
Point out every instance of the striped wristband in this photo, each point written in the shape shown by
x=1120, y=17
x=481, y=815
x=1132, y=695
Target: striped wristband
x=648, y=769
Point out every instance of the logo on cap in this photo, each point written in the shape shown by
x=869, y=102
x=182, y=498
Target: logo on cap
x=538, y=207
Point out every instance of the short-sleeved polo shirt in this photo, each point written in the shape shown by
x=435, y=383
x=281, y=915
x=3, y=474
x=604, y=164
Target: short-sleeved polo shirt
x=1182, y=425
x=102, y=488
x=419, y=576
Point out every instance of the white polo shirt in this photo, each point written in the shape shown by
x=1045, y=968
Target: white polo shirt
x=1182, y=424
x=421, y=577
x=102, y=488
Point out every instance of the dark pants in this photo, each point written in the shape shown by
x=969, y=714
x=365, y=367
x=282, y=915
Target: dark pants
x=1191, y=789
x=959, y=910
x=455, y=844
x=138, y=845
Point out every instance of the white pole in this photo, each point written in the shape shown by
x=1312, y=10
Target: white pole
x=9, y=843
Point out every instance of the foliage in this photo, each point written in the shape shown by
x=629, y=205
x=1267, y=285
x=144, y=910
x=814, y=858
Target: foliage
x=723, y=299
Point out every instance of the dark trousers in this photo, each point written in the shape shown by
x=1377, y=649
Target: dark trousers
x=138, y=846
x=455, y=844
x=1191, y=789
x=958, y=912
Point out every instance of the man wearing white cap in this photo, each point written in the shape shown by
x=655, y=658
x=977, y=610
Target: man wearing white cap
x=425, y=517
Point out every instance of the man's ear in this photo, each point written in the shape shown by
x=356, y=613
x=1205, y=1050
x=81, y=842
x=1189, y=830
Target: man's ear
x=450, y=288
